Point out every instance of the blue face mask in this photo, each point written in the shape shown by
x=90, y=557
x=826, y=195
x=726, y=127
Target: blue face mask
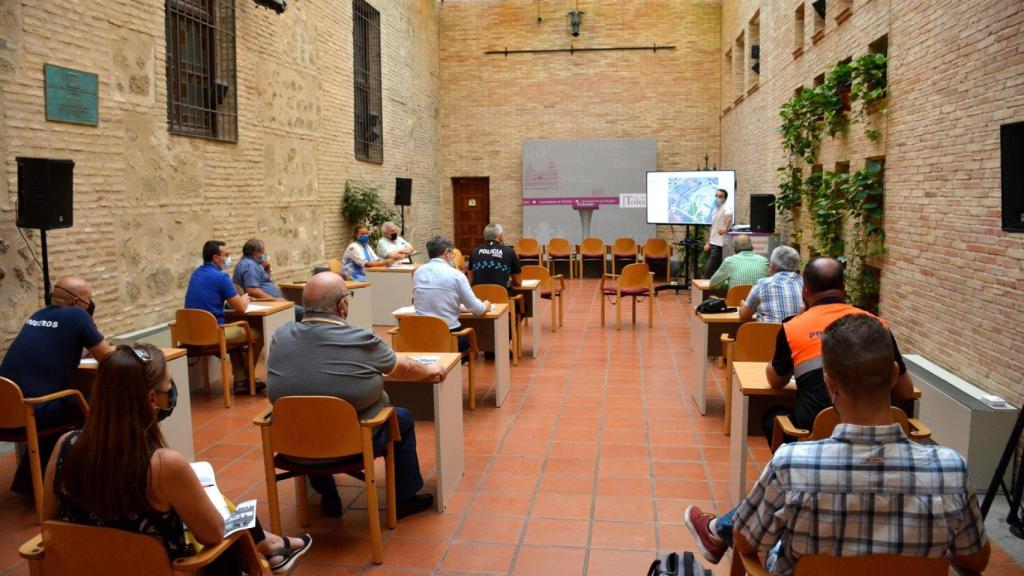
x=364, y=239
x=718, y=202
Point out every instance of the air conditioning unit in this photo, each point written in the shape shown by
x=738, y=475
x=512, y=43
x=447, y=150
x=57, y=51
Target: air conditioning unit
x=963, y=417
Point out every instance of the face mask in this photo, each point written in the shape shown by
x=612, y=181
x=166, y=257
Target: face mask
x=364, y=239
x=172, y=401
x=262, y=258
x=393, y=237
x=718, y=202
x=90, y=308
x=226, y=264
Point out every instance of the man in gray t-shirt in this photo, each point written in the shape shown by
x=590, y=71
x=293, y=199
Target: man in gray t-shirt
x=324, y=356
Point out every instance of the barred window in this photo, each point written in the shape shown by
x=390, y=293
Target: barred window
x=369, y=132
x=201, y=84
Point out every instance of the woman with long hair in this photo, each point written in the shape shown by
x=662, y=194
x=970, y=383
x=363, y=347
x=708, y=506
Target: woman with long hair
x=117, y=472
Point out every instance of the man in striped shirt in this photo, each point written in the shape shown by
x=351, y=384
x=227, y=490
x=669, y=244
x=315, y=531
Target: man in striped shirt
x=778, y=296
x=865, y=490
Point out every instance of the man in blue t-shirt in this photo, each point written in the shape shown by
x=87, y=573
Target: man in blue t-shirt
x=252, y=273
x=44, y=358
x=209, y=288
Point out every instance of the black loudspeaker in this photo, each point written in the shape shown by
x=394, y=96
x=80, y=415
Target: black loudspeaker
x=44, y=193
x=762, y=213
x=403, y=191
x=1012, y=160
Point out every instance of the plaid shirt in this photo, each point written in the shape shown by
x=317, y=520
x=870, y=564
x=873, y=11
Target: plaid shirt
x=776, y=297
x=865, y=490
x=743, y=268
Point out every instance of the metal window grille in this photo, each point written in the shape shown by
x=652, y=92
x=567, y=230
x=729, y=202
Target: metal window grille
x=369, y=127
x=201, y=85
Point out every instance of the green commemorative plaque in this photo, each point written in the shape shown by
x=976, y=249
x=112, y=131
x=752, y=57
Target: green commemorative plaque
x=71, y=95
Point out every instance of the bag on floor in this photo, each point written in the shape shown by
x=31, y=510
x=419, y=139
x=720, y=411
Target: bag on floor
x=675, y=565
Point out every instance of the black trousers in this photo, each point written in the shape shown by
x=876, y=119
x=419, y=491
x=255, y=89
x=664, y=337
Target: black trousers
x=714, y=261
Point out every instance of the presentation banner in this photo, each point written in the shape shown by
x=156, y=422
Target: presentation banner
x=570, y=184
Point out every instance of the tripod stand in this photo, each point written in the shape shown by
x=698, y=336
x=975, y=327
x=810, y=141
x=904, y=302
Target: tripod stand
x=1013, y=518
x=688, y=247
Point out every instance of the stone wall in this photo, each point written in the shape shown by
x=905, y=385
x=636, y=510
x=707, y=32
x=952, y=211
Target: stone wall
x=491, y=103
x=145, y=200
x=952, y=281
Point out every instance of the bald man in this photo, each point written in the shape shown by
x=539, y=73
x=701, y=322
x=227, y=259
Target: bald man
x=325, y=356
x=743, y=267
x=44, y=357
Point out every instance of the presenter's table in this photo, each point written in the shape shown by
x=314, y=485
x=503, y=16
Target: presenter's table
x=492, y=335
x=705, y=330
x=392, y=288
x=440, y=402
x=177, y=429
x=360, y=309
x=530, y=289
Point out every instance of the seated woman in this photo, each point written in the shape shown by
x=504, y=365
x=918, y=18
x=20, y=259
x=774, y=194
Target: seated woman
x=359, y=256
x=117, y=472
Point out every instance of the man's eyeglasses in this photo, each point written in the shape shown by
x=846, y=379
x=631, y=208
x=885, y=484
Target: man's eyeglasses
x=348, y=297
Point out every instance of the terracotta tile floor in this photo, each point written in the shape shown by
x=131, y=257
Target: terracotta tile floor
x=585, y=470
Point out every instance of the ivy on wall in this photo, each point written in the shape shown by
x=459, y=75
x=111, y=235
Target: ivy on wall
x=362, y=205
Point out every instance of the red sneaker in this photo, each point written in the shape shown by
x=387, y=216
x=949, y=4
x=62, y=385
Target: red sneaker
x=711, y=547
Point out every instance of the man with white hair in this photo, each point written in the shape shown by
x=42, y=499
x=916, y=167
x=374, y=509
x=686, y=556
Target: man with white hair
x=493, y=262
x=391, y=245
x=743, y=267
x=778, y=296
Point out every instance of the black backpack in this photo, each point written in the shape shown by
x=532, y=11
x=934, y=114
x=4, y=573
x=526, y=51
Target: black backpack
x=674, y=565
x=713, y=306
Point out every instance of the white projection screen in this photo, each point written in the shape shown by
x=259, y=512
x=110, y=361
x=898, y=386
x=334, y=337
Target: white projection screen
x=605, y=177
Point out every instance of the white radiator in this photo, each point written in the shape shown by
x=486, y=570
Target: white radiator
x=963, y=417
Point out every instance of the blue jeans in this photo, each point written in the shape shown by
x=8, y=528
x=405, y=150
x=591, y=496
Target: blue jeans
x=408, y=480
x=724, y=525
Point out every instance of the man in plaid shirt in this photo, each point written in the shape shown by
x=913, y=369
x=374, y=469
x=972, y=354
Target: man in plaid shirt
x=743, y=267
x=780, y=295
x=865, y=490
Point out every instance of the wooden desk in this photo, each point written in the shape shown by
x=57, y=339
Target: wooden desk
x=177, y=429
x=492, y=334
x=531, y=292
x=700, y=290
x=392, y=287
x=705, y=330
x=440, y=402
x=359, y=310
x=264, y=318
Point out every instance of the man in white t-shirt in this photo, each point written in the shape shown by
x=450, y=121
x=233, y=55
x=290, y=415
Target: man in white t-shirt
x=721, y=220
x=391, y=245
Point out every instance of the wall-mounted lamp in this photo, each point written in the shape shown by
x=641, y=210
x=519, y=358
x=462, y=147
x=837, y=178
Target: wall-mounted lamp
x=575, y=19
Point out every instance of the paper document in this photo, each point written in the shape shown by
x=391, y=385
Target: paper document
x=425, y=359
x=402, y=267
x=257, y=307
x=244, y=516
x=530, y=283
x=464, y=310
x=404, y=311
x=88, y=362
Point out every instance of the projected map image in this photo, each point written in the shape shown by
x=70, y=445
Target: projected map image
x=691, y=200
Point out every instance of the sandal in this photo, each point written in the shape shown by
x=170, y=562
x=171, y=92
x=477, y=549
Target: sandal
x=288, y=554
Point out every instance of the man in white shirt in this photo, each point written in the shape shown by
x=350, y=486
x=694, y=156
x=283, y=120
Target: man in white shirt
x=721, y=220
x=438, y=288
x=391, y=245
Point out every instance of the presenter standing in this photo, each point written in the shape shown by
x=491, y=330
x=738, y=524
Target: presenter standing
x=721, y=220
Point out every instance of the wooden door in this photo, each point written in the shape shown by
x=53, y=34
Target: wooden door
x=472, y=211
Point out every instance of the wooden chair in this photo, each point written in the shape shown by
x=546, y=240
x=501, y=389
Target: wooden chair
x=828, y=419
x=635, y=282
x=623, y=250
x=80, y=550
x=657, y=250
x=754, y=342
x=548, y=290
x=430, y=334
x=559, y=250
x=18, y=424
x=198, y=333
x=498, y=294
x=737, y=294
x=592, y=249
x=460, y=260
x=335, y=265
x=327, y=428
x=528, y=249
x=870, y=565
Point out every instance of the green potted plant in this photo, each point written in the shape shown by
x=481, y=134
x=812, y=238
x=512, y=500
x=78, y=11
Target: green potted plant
x=361, y=205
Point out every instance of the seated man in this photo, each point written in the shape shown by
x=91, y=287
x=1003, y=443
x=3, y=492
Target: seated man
x=358, y=256
x=209, y=288
x=391, y=245
x=252, y=273
x=493, y=262
x=44, y=357
x=743, y=267
x=778, y=296
x=798, y=346
x=324, y=356
x=867, y=489
x=438, y=289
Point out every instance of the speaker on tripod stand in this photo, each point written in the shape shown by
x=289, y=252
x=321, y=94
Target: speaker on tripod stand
x=403, y=196
x=45, y=202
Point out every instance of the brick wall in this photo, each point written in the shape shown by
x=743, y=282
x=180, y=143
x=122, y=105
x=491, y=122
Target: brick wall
x=490, y=104
x=145, y=200
x=952, y=282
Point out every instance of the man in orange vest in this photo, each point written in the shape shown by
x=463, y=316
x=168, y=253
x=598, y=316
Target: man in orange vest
x=798, y=346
